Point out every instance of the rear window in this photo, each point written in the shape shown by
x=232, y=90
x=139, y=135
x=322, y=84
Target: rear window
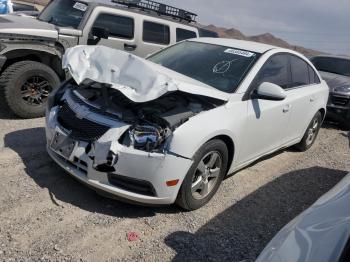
x=338, y=66
x=207, y=33
x=300, y=72
x=182, y=34
x=156, y=33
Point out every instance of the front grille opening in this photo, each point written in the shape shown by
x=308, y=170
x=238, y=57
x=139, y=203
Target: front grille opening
x=132, y=185
x=81, y=129
x=340, y=100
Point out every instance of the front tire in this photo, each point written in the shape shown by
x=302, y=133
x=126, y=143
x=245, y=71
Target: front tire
x=205, y=175
x=311, y=133
x=27, y=85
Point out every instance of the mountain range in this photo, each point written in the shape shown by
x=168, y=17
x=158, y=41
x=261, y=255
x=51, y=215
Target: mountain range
x=266, y=38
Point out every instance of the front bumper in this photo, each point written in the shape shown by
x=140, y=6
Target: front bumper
x=136, y=170
x=338, y=107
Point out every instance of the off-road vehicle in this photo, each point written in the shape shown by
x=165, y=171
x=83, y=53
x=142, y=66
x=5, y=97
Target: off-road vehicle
x=31, y=48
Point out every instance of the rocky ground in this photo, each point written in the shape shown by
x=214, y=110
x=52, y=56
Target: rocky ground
x=46, y=215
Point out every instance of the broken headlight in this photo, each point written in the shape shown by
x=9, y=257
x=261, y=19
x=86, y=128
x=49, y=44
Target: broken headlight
x=146, y=137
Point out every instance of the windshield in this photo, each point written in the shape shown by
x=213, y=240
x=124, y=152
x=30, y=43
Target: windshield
x=338, y=66
x=221, y=67
x=64, y=13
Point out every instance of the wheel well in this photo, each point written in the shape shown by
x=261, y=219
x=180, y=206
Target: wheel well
x=48, y=59
x=230, y=147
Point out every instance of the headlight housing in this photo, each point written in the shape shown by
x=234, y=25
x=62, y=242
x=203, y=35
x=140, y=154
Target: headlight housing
x=146, y=137
x=343, y=89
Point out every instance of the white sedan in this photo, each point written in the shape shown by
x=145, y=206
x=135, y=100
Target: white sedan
x=170, y=128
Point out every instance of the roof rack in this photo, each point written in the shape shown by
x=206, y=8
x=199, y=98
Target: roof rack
x=159, y=8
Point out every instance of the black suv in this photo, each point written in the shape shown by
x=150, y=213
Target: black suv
x=335, y=71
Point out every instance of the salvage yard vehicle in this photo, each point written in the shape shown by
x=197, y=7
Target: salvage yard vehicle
x=31, y=49
x=336, y=71
x=170, y=128
x=319, y=234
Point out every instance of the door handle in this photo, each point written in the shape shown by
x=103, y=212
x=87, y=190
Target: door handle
x=287, y=108
x=128, y=47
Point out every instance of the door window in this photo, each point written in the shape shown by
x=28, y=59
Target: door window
x=276, y=71
x=118, y=26
x=314, y=79
x=300, y=72
x=156, y=33
x=182, y=34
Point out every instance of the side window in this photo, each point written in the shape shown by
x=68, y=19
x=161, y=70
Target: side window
x=182, y=34
x=300, y=72
x=276, y=71
x=314, y=79
x=118, y=26
x=156, y=33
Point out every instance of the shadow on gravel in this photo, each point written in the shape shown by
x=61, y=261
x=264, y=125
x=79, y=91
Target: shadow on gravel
x=30, y=145
x=242, y=231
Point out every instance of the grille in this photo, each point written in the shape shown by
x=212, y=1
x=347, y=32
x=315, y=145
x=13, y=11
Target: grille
x=340, y=100
x=132, y=185
x=81, y=129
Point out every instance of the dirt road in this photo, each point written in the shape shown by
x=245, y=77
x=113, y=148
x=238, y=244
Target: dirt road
x=46, y=215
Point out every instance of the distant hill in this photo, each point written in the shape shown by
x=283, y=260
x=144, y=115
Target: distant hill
x=263, y=38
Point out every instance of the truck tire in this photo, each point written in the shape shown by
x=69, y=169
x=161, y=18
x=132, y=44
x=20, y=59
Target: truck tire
x=26, y=86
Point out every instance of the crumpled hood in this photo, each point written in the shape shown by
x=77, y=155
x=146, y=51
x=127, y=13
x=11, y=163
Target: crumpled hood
x=138, y=79
x=26, y=26
x=318, y=234
x=334, y=80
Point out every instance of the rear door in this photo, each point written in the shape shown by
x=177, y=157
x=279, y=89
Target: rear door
x=304, y=93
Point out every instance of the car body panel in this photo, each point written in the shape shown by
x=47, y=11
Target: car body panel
x=318, y=234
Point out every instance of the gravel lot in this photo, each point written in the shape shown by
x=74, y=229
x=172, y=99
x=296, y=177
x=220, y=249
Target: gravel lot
x=46, y=215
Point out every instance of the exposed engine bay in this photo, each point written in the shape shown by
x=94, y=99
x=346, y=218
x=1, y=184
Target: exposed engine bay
x=151, y=123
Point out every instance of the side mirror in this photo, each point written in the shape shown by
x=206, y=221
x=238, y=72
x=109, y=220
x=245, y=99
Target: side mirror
x=100, y=33
x=270, y=91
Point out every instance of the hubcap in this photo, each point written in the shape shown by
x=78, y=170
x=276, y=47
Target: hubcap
x=35, y=90
x=206, y=175
x=312, y=132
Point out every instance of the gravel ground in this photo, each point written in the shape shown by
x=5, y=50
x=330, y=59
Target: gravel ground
x=46, y=215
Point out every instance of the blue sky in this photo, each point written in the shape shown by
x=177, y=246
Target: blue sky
x=318, y=24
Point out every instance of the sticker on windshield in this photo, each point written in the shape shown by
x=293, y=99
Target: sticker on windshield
x=80, y=6
x=239, y=52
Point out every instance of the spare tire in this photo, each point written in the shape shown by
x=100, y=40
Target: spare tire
x=27, y=85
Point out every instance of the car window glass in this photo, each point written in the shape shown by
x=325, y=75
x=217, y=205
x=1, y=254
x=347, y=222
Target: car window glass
x=156, y=33
x=334, y=65
x=276, y=71
x=218, y=66
x=300, y=72
x=314, y=79
x=118, y=26
x=182, y=34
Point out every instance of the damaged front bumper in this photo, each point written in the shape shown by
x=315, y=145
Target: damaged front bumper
x=133, y=175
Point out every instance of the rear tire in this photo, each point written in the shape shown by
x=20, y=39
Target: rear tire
x=26, y=85
x=311, y=133
x=205, y=175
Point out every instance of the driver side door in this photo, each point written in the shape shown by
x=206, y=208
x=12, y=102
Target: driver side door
x=122, y=29
x=267, y=121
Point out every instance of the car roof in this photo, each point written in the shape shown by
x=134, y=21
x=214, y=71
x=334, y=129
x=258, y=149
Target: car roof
x=239, y=44
x=109, y=3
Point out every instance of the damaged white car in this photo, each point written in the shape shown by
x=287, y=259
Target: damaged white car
x=168, y=129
